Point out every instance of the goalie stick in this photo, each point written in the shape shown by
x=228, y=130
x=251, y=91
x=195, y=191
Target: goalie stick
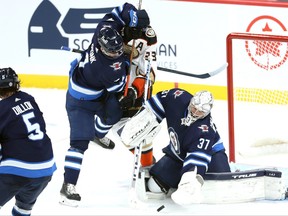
x=238, y=186
x=200, y=76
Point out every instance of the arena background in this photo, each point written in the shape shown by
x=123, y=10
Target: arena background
x=191, y=37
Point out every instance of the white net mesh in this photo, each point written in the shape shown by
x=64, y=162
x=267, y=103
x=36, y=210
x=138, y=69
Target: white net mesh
x=260, y=94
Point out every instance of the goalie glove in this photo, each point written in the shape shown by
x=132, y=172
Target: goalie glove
x=189, y=189
x=129, y=100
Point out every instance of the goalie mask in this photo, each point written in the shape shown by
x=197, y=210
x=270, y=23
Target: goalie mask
x=199, y=107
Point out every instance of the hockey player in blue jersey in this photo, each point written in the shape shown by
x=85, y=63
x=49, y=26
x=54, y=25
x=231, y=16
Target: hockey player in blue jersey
x=26, y=154
x=144, y=48
x=95, y=79
x=195, y=146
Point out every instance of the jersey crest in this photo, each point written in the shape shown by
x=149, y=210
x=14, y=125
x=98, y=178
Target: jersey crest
x=204, y=128
x=174, y=140
x=177, y=93
x=116, y=66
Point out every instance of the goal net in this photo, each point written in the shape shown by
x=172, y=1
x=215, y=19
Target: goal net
x=257, y=86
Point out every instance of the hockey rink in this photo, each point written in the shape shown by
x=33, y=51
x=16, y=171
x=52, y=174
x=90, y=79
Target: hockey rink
x=106, y=174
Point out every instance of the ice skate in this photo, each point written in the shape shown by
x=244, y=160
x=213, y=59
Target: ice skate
x=69, y=196
x=104, y=142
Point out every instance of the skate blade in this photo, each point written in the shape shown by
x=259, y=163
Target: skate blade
x=68, y=202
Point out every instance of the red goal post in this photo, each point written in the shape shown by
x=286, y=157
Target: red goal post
x=267, y=45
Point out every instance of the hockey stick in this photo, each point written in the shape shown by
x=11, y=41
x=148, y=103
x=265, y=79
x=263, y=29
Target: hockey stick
x=201, y=76
x=71, y=49
x=131, y=58
x=138, y=149
x=147, y=81
x=134, y=200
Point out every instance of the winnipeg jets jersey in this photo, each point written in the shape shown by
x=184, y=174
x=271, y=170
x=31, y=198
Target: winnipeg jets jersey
x=26, y=149
x=193, y=145
x=96, y=74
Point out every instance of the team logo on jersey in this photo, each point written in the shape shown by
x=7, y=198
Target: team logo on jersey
x=177, y=93
x=187, y=121
x=204, y=128
x=174, y=140
x=150, y=32
x=116, y=66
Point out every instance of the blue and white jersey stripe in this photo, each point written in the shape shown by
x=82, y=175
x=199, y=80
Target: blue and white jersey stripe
x=82, y=93
x=119, y=87
x=156, y=106
x=27, y=169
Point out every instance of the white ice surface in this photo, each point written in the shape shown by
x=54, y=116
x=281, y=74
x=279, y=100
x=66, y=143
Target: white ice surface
x=106, y=175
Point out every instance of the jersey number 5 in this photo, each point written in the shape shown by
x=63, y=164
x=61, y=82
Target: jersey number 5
x=34, y=129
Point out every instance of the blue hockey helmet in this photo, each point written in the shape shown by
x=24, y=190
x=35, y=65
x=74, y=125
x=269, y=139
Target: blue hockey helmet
x=9, y=79
x=111, y=42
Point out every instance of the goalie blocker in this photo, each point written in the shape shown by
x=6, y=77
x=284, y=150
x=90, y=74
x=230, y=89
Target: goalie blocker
x=234, y=187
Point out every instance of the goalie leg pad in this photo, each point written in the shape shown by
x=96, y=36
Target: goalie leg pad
x=244, y=186
x=138, y=127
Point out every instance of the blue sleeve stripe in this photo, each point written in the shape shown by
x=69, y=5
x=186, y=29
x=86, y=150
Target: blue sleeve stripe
x=83, y=93
x=218, y=146
x=116, y=12
x=202, y=155
x=155, y=105
x=192, y=162
x=119, y=87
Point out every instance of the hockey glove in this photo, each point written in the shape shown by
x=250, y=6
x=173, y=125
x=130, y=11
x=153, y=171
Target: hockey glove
x=130, y=33
x=129, y=100
x=189, y=189
x=143, y=19
x=138, y=19
x=147, y=34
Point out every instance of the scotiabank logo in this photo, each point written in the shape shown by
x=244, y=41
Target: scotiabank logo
x=268, y=55
x=47, y=29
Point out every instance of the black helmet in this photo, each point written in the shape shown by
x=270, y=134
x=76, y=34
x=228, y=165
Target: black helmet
x=111, y=42
x=8, y=79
